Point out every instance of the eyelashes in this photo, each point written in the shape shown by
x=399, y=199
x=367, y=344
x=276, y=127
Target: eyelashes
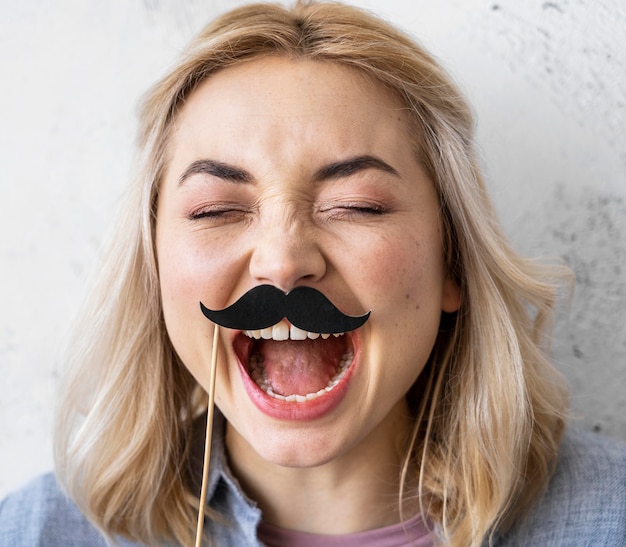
x=218, y=212
x=353, y=209
x=334, y=210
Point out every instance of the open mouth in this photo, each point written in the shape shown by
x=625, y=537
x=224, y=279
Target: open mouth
x=293, y=365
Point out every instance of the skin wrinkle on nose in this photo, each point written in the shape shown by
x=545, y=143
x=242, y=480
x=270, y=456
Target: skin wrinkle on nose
x=284, y=245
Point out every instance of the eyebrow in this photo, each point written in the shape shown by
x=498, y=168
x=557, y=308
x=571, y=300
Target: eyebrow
x=215, y=169
x=350, y=166
x=333, y=171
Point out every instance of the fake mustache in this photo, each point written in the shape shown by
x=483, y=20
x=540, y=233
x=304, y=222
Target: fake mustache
x=265, y=305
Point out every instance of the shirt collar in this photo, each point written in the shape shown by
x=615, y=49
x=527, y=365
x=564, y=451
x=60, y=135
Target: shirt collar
x=219, y=471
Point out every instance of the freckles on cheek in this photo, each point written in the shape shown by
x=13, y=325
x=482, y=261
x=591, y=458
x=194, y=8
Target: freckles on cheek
x=392, y=268
x=177, y=275
x=195, y=271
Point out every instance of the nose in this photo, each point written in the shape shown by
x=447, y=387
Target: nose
x=286, y=253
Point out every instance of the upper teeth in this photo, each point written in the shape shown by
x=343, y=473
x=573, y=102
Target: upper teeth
x=285, y=331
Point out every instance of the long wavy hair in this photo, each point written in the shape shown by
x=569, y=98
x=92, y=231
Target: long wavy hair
x=489, y=408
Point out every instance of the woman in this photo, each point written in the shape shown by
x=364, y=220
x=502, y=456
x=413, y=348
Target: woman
x=317, y=147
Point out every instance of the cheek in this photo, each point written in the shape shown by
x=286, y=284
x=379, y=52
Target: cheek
x=402, y=270
x=192, y=270
x=187, y=277
x=180, y=277
x=180, y=291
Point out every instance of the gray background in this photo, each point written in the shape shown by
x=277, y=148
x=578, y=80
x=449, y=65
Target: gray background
x=548, y=82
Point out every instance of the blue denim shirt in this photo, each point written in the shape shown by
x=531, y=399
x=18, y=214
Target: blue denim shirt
x=585, y=505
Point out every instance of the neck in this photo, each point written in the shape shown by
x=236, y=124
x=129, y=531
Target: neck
x=357, y=490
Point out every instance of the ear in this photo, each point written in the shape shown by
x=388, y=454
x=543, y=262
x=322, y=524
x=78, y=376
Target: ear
x=450, y=296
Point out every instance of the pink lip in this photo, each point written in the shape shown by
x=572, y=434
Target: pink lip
x=307, y=410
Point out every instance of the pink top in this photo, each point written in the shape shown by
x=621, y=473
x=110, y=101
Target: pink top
x=411, y=533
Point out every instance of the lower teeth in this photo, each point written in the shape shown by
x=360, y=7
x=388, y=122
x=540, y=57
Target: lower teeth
x=259, y=376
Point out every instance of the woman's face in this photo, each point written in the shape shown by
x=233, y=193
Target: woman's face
x=302, y=173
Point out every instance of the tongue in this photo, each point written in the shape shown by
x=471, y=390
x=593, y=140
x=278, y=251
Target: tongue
x=303, y=366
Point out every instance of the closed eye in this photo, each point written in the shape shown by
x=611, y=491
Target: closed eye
x=347, y=210
x=366, y=210
x=226, y=213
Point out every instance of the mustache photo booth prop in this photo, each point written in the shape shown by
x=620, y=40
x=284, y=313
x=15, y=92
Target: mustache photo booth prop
x=265, y=305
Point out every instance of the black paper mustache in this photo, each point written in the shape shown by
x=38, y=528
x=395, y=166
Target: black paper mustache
x=265, y=305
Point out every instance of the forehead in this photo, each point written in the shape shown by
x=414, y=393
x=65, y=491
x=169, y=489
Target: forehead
x=276, y=81
x=281, y=103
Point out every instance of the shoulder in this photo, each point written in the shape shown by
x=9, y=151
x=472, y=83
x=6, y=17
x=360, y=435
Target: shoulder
x=585, y=503
x=41, y=514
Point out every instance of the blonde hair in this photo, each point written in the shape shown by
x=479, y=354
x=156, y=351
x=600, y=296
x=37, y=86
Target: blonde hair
x=489, y=408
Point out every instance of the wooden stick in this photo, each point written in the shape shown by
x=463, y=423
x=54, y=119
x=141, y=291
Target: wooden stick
x=207, y=441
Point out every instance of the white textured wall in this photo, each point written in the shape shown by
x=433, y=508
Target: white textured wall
x=548, y=80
